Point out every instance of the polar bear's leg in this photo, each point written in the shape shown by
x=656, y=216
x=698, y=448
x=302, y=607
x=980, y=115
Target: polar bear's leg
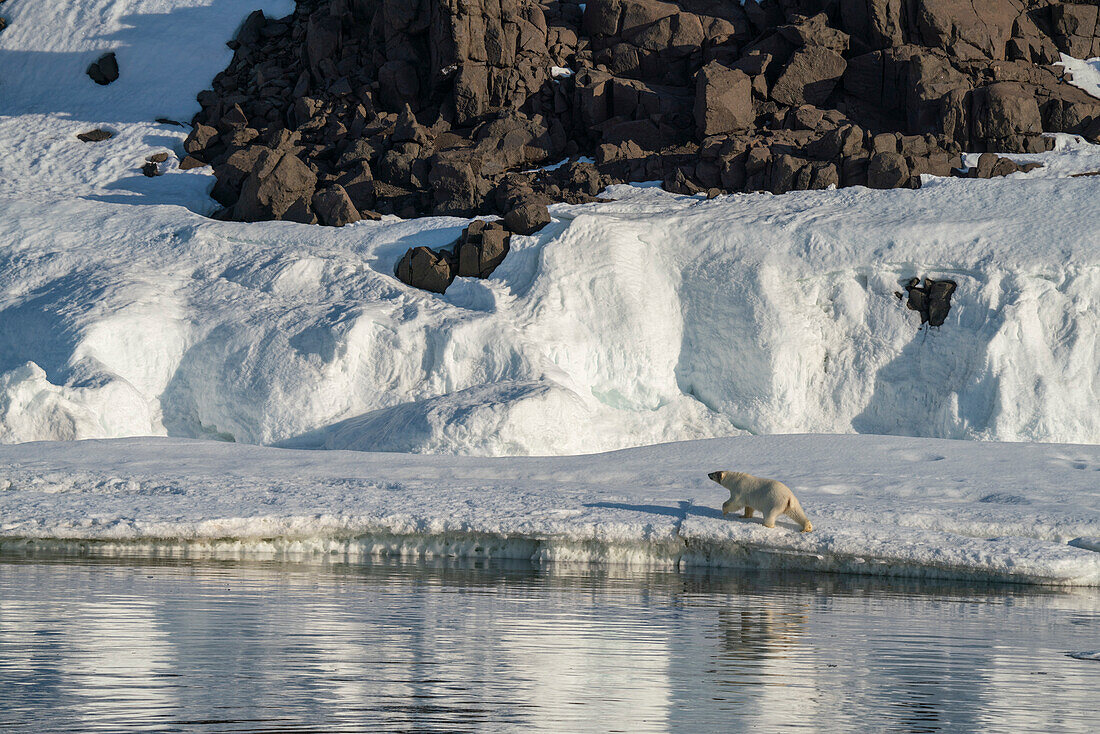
x=769, y=518
x=748, y=511
x=728, y=507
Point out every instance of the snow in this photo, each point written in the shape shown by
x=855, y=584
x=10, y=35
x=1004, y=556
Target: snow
x=648, y=319
x=1086, y=73
x=880, y=505
x=562, y=162
x=653, y=318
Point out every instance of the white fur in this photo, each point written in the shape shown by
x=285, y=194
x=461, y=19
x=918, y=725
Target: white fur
x=767, y=495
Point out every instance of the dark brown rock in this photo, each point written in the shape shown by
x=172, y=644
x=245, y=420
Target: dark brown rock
x=358, y=182
x=810, y=77
x=973, y=29
x=448, y=107
x=190, y=162
x=1003, y=167
x=494, y=248
x=334, y=207
x=469, y=260
x=723, y=100
x=104, y=70
x=279, y=186
x=95, y=136
x=932, y=300
x=887, y=171
x=1004, y=111
x=985, y=165
x=456, y=187
x=425, y=269
x=232, y=172
x=200, y=138
x=527, y=218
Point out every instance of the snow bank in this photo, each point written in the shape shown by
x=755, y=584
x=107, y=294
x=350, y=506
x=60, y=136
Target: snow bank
x=880, y=505
x=649, y=319
x=656, y=317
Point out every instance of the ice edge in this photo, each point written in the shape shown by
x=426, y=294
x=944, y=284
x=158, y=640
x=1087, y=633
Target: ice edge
x=675, y=554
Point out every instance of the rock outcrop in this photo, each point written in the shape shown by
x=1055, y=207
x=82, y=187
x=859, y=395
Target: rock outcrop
x=350, y=108
x=475, y=254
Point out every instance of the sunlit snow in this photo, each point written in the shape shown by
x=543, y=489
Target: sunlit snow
x=125, y=311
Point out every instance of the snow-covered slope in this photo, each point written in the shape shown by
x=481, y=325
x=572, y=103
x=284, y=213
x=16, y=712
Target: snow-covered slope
x=652, y=318
x=124, y=311
x=879, y=504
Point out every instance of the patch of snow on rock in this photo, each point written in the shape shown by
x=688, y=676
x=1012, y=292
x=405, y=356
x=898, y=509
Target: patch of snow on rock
x=1086, y=73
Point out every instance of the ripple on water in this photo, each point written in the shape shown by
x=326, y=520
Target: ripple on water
x=454, y=646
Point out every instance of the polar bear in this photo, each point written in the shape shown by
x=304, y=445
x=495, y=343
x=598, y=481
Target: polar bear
x=767, y=495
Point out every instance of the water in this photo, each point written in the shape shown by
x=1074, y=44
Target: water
x=233, y=647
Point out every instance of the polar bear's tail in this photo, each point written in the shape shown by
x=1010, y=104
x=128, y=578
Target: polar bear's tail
x=794, y=511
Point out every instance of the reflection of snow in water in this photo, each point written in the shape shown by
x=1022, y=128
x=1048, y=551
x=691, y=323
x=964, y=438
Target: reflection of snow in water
x=565, y=657
x=450, y=647
x=110, y=650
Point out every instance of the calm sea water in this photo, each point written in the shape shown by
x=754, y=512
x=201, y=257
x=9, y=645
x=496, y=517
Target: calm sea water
x=235, y=647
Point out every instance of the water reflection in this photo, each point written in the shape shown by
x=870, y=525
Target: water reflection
x=190, y=646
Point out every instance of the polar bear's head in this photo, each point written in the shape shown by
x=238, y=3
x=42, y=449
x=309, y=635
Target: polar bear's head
x=718, y=476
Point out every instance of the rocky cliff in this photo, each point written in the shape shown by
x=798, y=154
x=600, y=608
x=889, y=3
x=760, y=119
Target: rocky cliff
x=348, y=108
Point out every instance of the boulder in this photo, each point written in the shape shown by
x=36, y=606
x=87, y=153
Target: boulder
x=984, y=167
x=789, y=173
x=1004, y=111
x=494, y=247
x=398, y=85
x=104, y=70
x=887, y=171
x=469, y=260
x=872, y=24
x=200, y=138
x=967, y=30
x=723, y=100
x=1075, y=29
x=481, y=248
x=932, y=299
x=279, y=186
x=95, y=136
x=426, y=269
x=527, y=218
x=456, y=188
x=809, y=78
x=358, y=182
x=231, y=174
x=334, y=207
x=322, y=41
